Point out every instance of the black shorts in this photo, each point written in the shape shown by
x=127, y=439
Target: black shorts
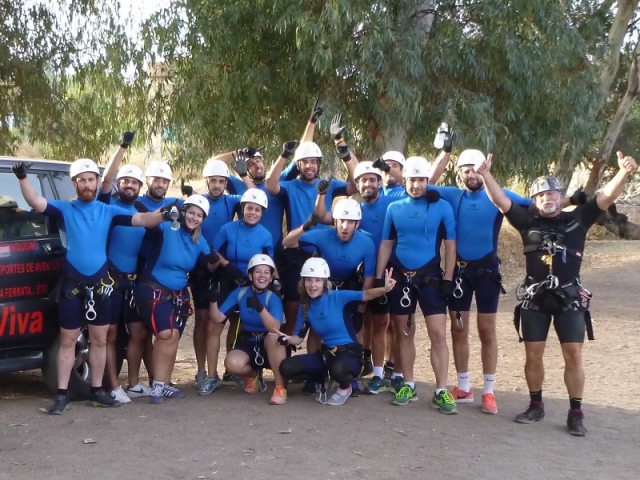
x=570, y=325
x=486, y=288
x=420, y=292
x=379, y=306
x=256, y=351
x=200, y=283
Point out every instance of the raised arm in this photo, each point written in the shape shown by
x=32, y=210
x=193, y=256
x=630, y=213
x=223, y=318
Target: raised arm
x=612, y=190
x=35, y=201
x=112, y=167
x=272, y=182
x=448, y=137
x=320, y=207
x=494, y=191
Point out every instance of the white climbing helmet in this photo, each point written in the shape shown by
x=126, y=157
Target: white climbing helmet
x=83, y=165
x=315, y=267
x=131, y=171
x=260, y=259
x=198, y=201
x=215, y=168
x=394, y=156
x=255, y=195
x=363, y=168
x=470, y=157
x=347, y=209
x=158, y=170
x=416, y=167
x=307, y=150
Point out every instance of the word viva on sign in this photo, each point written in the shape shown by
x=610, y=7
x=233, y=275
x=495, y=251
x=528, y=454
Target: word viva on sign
x=20, y=323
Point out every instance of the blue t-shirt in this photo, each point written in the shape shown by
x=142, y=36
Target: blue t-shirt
x=300, y=199
x=395, y=191
x=478, y=220
x=343, y=257
x=124, y=242
x=173, y=254
x=272, y=216
x=221, y=212
x=373, y=215
x=238, y=242
x=153, y=205
x=330, y=317
x=249, y=318
x=86, y=226
x=418, y=228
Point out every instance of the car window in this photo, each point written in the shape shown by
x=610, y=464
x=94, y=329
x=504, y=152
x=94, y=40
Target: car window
x=64, y=186
x=17, y=219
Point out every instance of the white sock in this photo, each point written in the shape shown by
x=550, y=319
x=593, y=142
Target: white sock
x=439, y=391
x=411, y=384
x=463, y=382
x=396, y=375
x=489, y=379
x=378, y=371
x=155, y=382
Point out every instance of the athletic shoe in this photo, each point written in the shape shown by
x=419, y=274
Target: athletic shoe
x=533, y=413
x=355, y=389
x=156, y=394
x=309, y=388
x=389, y=368
x=405, y=395
x=574, y=423
x=375, y=386
x=367, y=369
x=119, y=395
x=170, y=391
x=102, y=399
x=460, y=396
x=140, y=390
x=320, y=393
x=200, y=377
x=444, y=402
x=232, y=381
x=396, y=384
x=209, y=385
x=489, y=403
x=339, y=398
x=279, y=396
x=251, y=385
x=60, y=404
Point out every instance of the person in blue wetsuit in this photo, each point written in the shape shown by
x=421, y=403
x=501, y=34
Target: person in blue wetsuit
x=414, y=229
x=85, y=286
x=327, y=311
x=391, y=164
x=158, y=177
x=161, y=294
x=222, y=210
x=478, y=223
x=236, y=243
x=345, y=248
x=260, y=313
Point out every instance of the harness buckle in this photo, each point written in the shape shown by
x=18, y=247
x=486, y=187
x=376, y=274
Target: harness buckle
x=457, y=291
x=90, y=313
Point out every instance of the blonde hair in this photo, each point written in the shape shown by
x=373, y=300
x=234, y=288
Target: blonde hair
x=195, y=234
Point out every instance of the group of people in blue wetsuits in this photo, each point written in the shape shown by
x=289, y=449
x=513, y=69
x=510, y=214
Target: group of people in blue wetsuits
x=347, y=275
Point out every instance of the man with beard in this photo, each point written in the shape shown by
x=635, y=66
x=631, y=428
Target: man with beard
x=85, y=286
x=414, y=228
x=554, y=243
x=222, y=209
x=123, y=251
x=478, y=223
x=158, y=178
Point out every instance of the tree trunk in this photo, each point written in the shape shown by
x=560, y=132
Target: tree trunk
x=611, y=136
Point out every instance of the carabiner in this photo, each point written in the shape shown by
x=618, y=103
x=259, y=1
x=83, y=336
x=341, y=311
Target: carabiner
x=90, y=314
x=457, y=291
x=405, y=301
x=259, y=359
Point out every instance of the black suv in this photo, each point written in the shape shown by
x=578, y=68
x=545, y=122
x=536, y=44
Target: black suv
x=31, y=251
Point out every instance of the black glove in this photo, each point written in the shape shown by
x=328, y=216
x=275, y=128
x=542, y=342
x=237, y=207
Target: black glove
x=358, y=320
x=289, y=149
x=239, y=163
x=234, y=272
x=323, y=187
x=249, y=152
x=127, y=139
x=170, y=212
x=342, y=152
x=311, y=222
x=213, y=295
x=446, y=288
x=19, y=170
x=255, y=303
x=579, y=197
x=316, y=112
x=449, y=137
x=337, y=128
x=378, y=282
x=282, y=340
x=432, y=196
x=213, y=257
x=381, y=165
x=187, y=190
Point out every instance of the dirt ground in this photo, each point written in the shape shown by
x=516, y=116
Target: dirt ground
x=230, y=434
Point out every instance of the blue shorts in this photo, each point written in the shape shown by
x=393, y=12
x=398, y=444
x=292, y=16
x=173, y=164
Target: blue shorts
x=420, y=292
x=255, y=349
x=162, y=314
x=72, y=312
x=290, y=281
x=481, y=278
x=201, y=281
x=121, y=309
